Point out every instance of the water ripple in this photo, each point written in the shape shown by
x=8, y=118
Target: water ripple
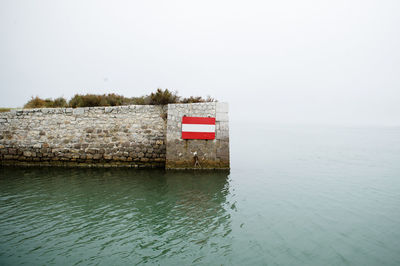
x=315, y=198
x=85, y=216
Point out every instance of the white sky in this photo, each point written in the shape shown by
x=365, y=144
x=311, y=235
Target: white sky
x=288, y=61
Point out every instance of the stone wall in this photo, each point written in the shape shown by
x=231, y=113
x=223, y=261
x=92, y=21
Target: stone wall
x=132, y=136
x=211, y=153
x=93, y=136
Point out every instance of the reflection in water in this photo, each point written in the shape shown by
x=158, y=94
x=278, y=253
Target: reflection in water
x=58, y=215
x=295, y=196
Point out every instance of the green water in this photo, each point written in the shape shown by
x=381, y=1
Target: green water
x=294, y=196
x=112, y=216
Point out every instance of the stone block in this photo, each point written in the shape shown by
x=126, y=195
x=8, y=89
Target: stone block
x=223, y=117
x=78, y=111
x=223, y=125
x=97, y=156
x=179, y=153
x=37, y=146
x=222, y=134
x=222, y=107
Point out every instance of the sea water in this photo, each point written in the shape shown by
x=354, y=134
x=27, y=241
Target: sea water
x=293, y=196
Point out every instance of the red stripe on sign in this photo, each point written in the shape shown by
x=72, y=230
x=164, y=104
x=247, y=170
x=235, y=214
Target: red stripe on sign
x=198, y=135
x=198, y=120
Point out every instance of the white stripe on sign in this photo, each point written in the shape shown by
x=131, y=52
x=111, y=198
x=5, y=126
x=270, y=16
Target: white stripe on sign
x=198, y=128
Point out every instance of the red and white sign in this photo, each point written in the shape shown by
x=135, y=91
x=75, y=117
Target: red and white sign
x=198, y=127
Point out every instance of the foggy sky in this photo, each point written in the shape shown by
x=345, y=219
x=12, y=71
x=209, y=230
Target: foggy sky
x=303, y=62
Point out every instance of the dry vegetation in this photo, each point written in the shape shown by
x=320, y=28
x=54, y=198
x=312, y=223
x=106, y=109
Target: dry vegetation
x=159, y=97
x=2, y=110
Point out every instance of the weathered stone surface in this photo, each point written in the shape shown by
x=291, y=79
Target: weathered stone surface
x=78, y=111
x=222, y=117
x=222, y=108
x=181, y=153
x=37, y=146
x=96, y=134
x=134, y=136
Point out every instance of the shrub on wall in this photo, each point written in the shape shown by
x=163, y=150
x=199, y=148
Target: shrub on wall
x=197, y=99
x=87, y=100
x=2, y=110
x=90, y=100
x=159, y=97
x=162, y=97
x=35, y=103
x=60, y=102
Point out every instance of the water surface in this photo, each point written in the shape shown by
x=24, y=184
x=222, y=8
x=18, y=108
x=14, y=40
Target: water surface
x=294, y=196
